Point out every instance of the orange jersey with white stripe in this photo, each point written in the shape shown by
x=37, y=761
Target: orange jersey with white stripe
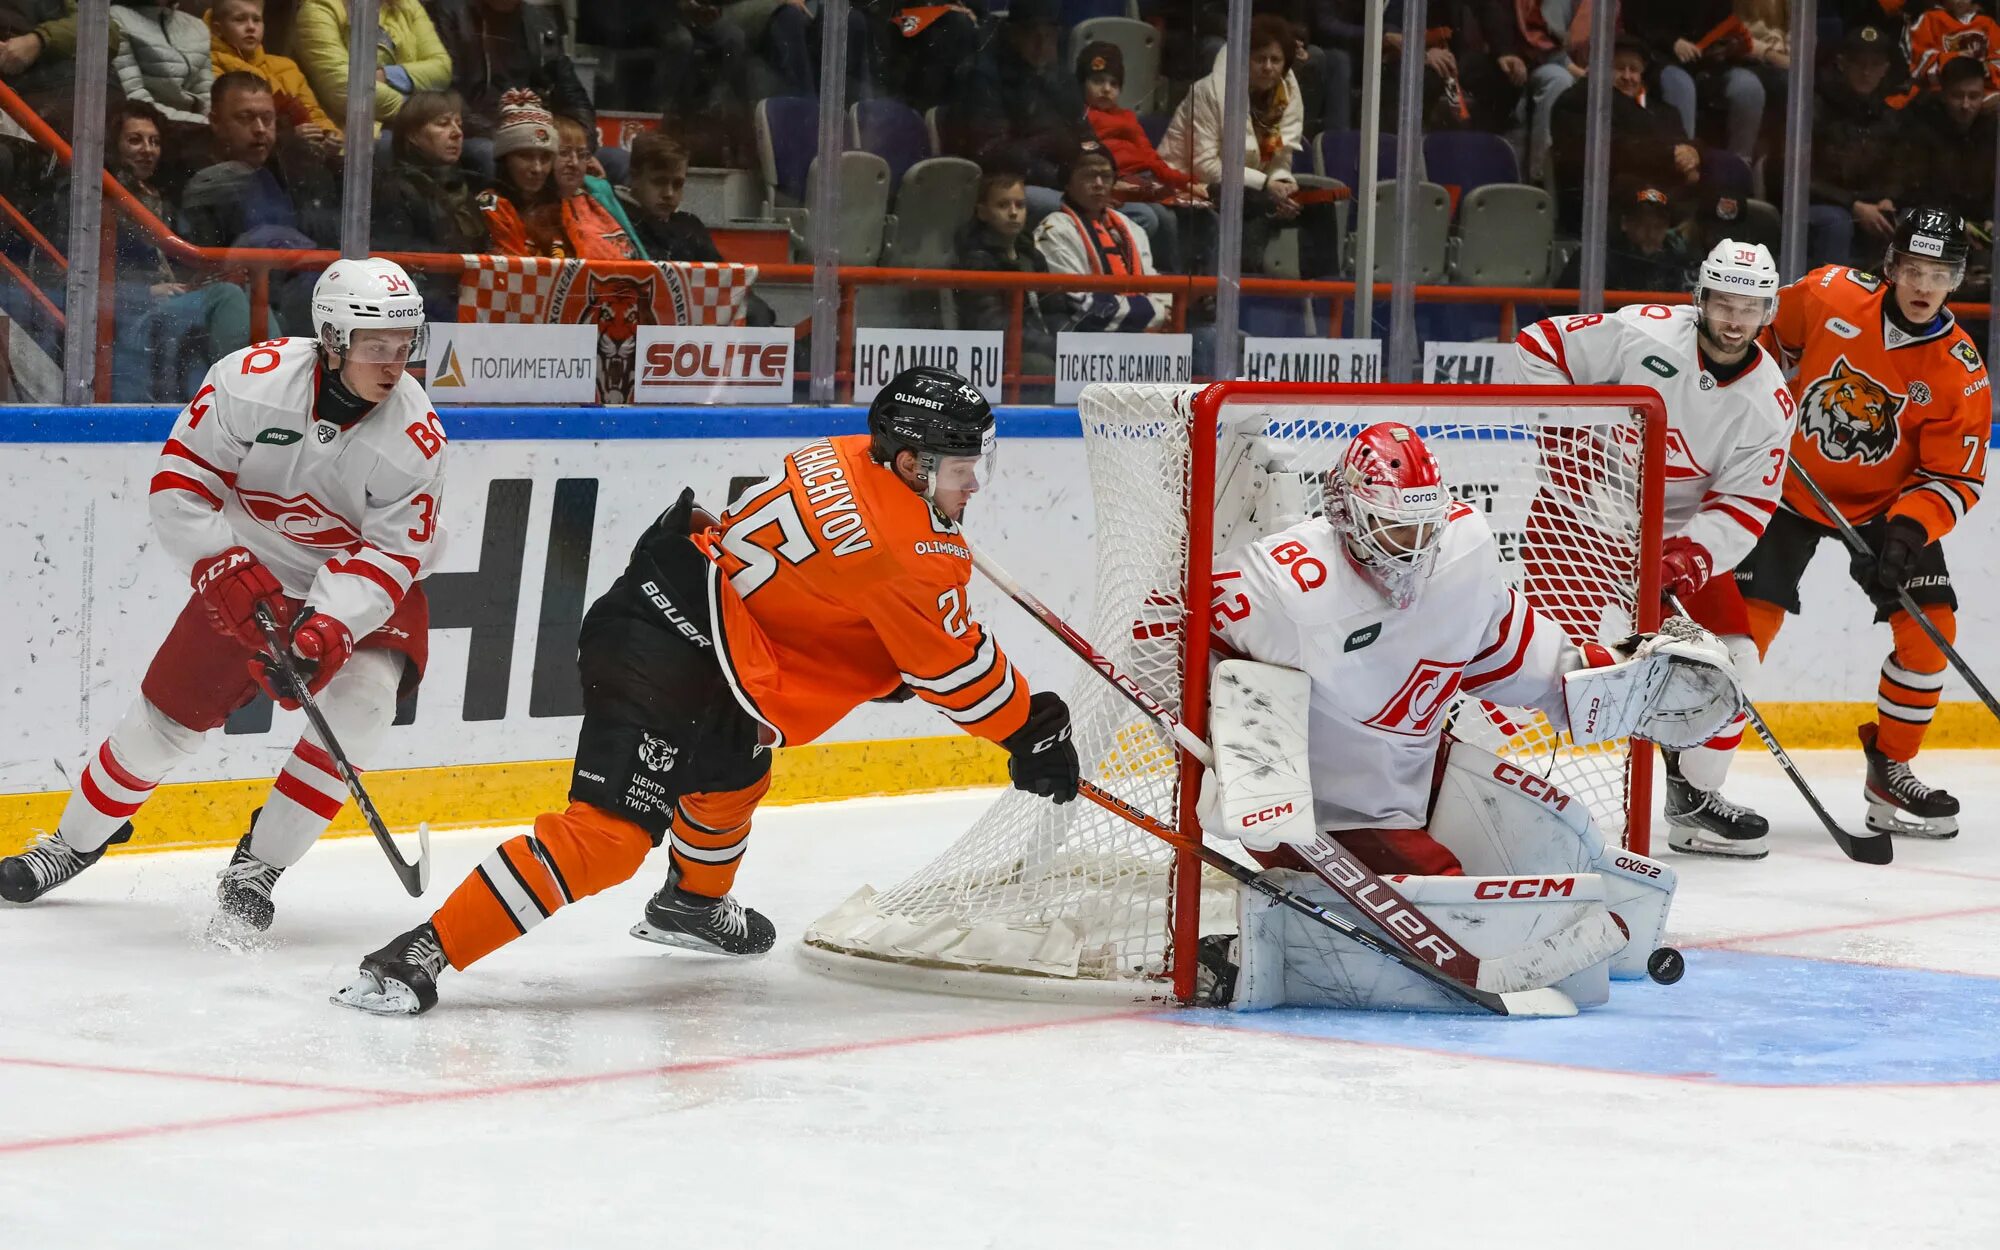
x=839, y=585
x=1937, y=37
x=1888, y=422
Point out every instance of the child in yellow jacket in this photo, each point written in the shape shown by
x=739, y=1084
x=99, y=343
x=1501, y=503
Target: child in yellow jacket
x=237, y=30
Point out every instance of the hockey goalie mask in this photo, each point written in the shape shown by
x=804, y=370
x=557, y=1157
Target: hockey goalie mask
x=1387, y=501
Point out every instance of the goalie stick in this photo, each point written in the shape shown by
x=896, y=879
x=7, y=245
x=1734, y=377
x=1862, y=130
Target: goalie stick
x=1548, y=1001
x=1859, y=547
x=1589, y=941
x=1870, y=848
x=416, y=878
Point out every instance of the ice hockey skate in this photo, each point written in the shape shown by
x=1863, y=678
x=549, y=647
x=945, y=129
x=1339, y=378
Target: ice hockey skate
x=1900, y=804
x=50, y=861
x=1702, y=822
x=400, y=979
x=716, y=926
x=244, y=895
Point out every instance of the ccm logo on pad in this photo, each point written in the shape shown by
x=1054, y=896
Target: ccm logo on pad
x=1532, y=786
x=1526, y=887
x=1269, y=813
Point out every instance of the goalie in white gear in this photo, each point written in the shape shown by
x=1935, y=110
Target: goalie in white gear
x=1392, y=604
x=1729, y=428
x=305, y=478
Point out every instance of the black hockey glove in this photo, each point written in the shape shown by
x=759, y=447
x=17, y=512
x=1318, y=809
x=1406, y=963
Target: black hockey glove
x=1895, y=560
x=1041, y=759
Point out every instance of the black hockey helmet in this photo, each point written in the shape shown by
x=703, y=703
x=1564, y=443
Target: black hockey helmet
x=940, y=416
x=1930, y=234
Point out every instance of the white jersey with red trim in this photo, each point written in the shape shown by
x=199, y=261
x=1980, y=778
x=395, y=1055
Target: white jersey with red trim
x=346, y=518
x=1726, y=441
x=1382, y=679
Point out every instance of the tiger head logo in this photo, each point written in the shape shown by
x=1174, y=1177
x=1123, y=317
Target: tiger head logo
x=617, y=305
x=1851, y=415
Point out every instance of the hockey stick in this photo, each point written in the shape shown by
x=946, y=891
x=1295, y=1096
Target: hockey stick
x=1859, y=547
x=416, y=878
x=1587, y=942
x=1542, y=1002
x=1871, y=847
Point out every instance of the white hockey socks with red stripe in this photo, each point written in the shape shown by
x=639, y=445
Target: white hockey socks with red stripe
x=143, y=749
x=359, y=703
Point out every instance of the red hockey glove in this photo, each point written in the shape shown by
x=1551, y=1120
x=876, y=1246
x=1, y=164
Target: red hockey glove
x=231, y=586
x=320, y=645
x=1685, y=566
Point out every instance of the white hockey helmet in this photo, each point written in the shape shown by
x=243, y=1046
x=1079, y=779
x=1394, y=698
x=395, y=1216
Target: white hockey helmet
x=366, y=294
x=1734, y=268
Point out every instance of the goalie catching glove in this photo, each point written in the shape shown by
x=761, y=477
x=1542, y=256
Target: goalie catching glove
x=1677, y=688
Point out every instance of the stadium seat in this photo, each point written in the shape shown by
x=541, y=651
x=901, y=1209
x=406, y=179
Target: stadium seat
x=787, y=140
x=1078, y=11
x=1277, y=316
x=1463, y=160
x=864, y=206
x=1504, y=232
x=1155, y=125
x=936, y=199
x=1337, y=154
x=1432, y=220
x=891, y=130
x=1140, y=43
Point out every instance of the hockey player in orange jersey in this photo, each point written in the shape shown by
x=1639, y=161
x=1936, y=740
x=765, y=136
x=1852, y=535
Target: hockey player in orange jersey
x=840, y=580
x=1894, y=415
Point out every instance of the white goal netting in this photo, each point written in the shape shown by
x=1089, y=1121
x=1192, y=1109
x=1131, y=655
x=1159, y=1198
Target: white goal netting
x=1076, y=895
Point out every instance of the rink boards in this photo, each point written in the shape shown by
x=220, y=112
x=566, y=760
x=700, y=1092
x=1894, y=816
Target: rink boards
x=540, y=511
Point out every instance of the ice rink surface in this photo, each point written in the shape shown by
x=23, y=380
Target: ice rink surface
x=1827, y=1074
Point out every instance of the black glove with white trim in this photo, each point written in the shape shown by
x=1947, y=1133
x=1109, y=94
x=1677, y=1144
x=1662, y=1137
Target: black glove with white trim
x=1895, y=558
x=1041, y=759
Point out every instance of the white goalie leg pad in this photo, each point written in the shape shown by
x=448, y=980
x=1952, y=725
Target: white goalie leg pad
x=1286, y=959
x=1499, y=818
x=1706, y=767
x=1679, y=689
x=1260, y=790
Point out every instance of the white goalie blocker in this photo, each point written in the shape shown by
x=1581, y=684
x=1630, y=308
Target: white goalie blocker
x=1534, y=860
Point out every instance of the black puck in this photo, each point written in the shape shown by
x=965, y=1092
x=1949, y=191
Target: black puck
x=1666, y=965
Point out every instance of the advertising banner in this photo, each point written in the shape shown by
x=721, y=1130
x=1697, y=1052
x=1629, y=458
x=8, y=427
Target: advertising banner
x=881, y=354
x=1085, y=358
x=715, y=365
x=512, y=364
x=1312, y=360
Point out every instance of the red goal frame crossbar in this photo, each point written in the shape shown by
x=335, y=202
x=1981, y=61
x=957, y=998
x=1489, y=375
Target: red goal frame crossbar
x=1184, y=911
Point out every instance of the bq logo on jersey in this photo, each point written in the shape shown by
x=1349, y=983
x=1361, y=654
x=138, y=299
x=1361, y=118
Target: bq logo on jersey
x=1851, y=415
x=1425, y=694
x=300, y=518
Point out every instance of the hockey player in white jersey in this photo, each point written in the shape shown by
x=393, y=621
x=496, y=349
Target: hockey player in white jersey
x=1391, y=605
x=304, y=477
x=1729, y=425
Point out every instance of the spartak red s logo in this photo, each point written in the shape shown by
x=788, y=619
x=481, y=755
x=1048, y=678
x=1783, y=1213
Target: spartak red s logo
x=301, y=518
x=1425, y=694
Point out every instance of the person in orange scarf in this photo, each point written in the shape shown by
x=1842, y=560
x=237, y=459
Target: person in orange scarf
x=236, y=28
x=524, y=153
x=594, y=224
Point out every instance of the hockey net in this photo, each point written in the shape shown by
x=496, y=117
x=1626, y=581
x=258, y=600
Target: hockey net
x=1045, y=901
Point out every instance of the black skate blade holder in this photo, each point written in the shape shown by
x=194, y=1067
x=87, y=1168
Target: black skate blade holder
x=416, y=877
x=1868, y=848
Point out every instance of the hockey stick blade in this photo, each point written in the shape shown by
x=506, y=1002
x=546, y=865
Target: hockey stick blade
x=1872, y=848
x=1546, y=1002
x=1859, y=547
x=416, y=878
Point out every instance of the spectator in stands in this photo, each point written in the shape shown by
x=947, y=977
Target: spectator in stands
x=163, y=60
x=593, y=224
x=1143, y=173
x=1554, y=42
x=1644, y=255
x=38, y=57
x=1023, y=108
x=666, y=231
x=1951, y=137
x=524, y=152
x=683, y=59
x=1088, y=236
x=246, y=198
x=1647, y=140
x=408, y=55
x=928, y=53
x=1275, y=120
x=497, y=45
x=426, y=201
x=996, y=241
x=1721, y=212
x=1705, y=59
x=1473, y=68
x=1953, y=28
x=169, y=329
x=1859, y=169
x=236, y=29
